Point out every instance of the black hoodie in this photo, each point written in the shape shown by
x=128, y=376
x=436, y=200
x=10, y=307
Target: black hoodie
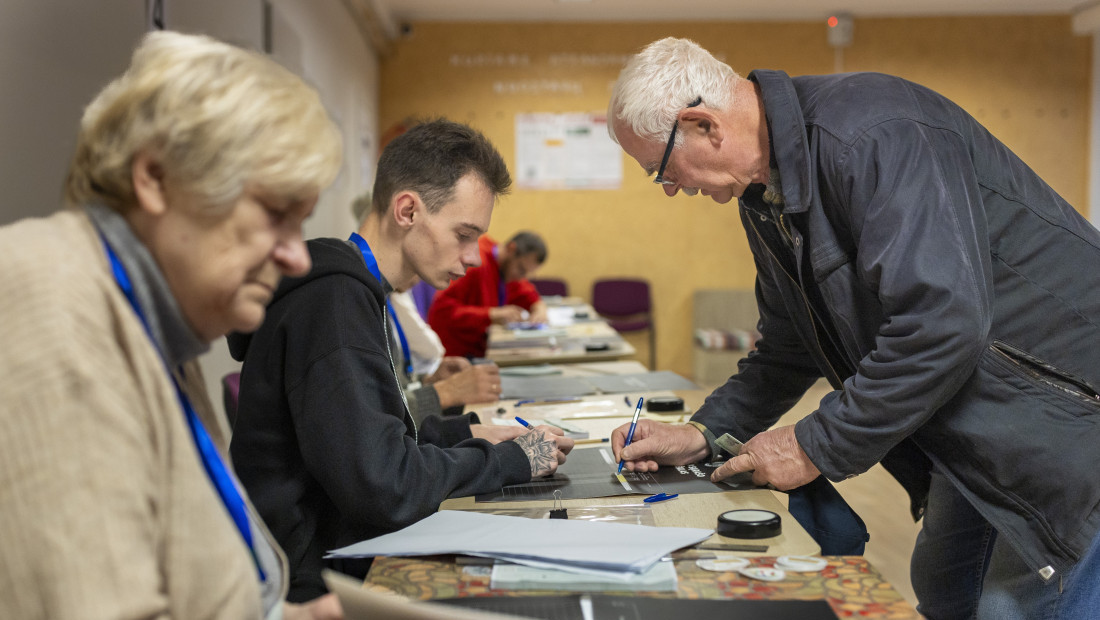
x=322, y=441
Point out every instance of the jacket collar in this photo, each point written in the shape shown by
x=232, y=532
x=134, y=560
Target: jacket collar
x=168, y=329
x=787, y=137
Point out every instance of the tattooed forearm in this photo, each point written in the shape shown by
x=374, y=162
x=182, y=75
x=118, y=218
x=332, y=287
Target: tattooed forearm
x=541, y=452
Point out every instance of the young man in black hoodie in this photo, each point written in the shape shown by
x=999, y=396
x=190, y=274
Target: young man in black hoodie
x=323, y=440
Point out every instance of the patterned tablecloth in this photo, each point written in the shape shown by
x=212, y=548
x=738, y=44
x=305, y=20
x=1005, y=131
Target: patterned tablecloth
x=853, y=587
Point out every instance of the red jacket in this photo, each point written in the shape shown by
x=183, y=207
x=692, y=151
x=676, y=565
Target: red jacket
x=460, y=313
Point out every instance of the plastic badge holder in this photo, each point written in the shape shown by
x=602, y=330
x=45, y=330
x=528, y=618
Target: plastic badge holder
x=730, y=444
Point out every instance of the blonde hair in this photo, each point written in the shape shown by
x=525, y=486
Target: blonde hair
x=662, y=79
x=217, y=118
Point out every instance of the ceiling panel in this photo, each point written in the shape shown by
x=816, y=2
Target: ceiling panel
x=695, y=10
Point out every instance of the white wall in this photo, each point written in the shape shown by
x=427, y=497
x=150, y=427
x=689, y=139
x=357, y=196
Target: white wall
x=55, y=55
x=318, y=41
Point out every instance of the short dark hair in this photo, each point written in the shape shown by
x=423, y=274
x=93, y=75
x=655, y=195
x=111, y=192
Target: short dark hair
x=431, y=157
x=528, y=242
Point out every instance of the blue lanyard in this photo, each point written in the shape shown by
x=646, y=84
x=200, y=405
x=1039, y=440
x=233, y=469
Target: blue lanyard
x=372, y=266
x=211, y=460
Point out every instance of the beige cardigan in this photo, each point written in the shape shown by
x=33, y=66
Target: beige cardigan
x=105, y=509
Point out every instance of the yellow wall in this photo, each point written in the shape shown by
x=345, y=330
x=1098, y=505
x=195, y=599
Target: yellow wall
x=1025, y=78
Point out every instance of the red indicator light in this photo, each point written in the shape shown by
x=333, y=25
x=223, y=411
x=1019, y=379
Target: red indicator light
x=833, y=21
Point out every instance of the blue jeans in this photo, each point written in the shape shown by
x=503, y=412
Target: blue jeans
x=962, y=570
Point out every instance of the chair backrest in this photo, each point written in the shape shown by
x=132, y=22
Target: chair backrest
x=621, y=297
x=422, y=294
x=550, y=286
x=231, y=392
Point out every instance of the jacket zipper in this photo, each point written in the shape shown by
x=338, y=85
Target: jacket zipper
x=802, y=294
x=1028, y=364
x=786, y=233
x=393, y=369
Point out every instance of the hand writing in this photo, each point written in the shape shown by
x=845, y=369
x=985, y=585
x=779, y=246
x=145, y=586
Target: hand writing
x=503, y=315
x=656, y=443
x=546, y=448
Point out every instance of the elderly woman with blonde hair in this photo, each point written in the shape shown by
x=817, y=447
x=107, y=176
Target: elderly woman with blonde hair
x=192, y=176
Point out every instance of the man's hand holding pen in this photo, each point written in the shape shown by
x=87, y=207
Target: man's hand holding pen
x=657, y=443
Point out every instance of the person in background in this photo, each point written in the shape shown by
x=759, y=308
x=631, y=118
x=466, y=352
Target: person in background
x=910, y=258
x=432, y=382
x=496, y=292
x=192, y=176
x=324, y=440
x=425, y=347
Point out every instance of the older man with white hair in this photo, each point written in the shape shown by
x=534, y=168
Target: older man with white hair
x=910, y=258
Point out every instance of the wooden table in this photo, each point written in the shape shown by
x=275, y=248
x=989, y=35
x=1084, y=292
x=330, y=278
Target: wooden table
x=694, y=510
x=851, y=586
x=560, y=342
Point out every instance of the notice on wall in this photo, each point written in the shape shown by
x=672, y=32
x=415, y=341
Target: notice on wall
x=566, y=151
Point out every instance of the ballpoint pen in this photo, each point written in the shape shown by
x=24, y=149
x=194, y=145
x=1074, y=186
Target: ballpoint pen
x=546, y=401
x=525, y=423
x=630, y=433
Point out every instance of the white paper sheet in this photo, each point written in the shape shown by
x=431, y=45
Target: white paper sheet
x=567, y=545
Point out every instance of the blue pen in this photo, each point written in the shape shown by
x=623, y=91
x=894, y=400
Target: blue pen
x=524, y=423
x=660, y=497
x=630, y=433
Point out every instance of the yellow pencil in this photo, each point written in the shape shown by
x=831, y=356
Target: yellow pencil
x=580, y=441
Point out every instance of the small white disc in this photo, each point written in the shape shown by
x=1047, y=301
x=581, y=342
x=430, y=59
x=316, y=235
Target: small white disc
x=763, y=573
x=723, y=565
x=801, y=563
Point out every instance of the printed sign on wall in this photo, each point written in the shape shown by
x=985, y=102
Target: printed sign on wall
x=566, y=151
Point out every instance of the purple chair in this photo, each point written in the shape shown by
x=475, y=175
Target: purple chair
x=550, y=286
x=625, y=303
x=231, y=391
x=422, y=294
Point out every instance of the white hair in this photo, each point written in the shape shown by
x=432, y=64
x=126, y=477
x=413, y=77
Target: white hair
x=662, y=79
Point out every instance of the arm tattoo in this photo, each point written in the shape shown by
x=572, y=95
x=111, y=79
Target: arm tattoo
x=540, y=452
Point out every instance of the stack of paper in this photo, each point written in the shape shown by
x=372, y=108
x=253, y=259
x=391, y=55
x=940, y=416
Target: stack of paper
x=577, y=546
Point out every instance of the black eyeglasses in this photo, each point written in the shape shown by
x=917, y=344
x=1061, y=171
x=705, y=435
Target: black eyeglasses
x=660, y=178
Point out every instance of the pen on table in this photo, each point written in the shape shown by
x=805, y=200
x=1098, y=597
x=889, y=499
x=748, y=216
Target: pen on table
x=547, y=401
x=630, y=433
x=585, y=441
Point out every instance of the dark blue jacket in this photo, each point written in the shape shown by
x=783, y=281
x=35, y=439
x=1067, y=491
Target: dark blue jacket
x=946, y=292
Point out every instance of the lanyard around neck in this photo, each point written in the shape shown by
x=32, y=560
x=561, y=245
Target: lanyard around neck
x=212, y=462
x=372, y=266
